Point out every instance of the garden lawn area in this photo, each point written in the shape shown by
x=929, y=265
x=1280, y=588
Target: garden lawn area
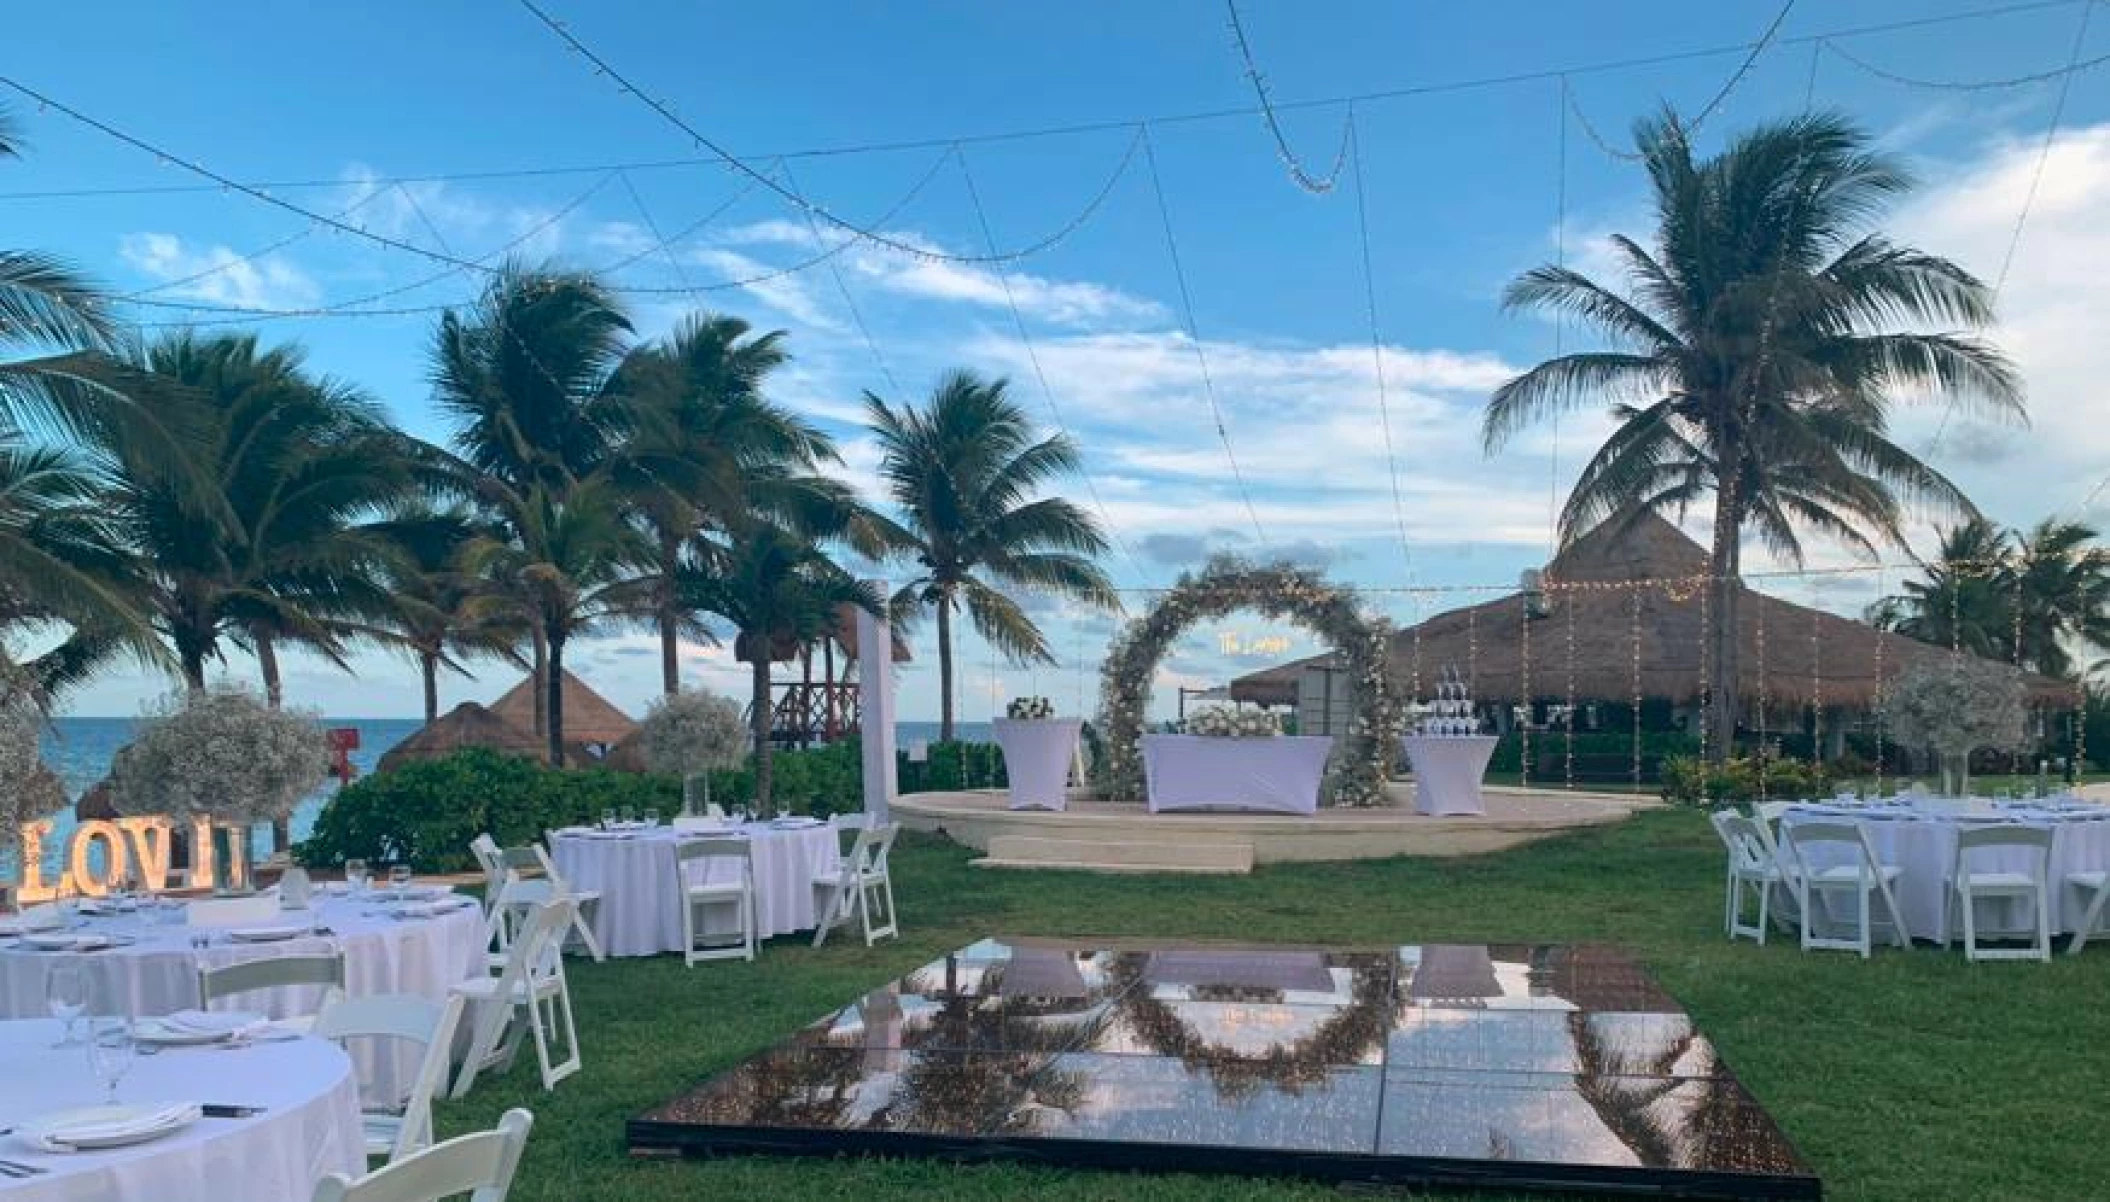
x=1912, y=1076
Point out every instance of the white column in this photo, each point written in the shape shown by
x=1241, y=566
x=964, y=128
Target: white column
x=875, y=695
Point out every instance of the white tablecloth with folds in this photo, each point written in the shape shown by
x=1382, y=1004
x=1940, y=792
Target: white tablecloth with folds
x=640, y=910
x=157, y=973
x=309, y=1127
x=1194, y=772
x=1037, y=756
x=1922, y=843
x=1447, y=772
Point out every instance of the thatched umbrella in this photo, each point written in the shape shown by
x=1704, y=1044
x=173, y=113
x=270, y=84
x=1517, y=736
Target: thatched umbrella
x=466, y=725
x=592, y=724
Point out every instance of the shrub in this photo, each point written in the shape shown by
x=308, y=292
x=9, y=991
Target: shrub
x=1691, y=781
x=953, y=766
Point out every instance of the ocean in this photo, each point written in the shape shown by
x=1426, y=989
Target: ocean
x=80, y=751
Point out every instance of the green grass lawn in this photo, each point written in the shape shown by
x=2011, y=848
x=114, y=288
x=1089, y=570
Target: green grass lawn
x=1911, y=1076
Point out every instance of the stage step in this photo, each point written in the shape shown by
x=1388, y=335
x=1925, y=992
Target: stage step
x=1091, y=855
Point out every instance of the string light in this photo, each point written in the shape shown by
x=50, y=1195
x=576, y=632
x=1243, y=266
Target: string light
x=2072, y=68
x=1764, y=40
x=1635, y=634
x=1314, y=184
x=1817, y=680
x=1524, y=694
x=1707, y=672
x=1568, y=758
x=1377, y=350
x=1882, y=640
x=1763, y=783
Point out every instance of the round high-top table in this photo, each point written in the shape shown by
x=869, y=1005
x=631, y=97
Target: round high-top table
x=154, y=969
x=635, y=872
x=1037, y=757
x=307, y=1126
x=1447, y=772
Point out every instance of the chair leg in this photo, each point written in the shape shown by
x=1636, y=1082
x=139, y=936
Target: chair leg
x=1765, y=899
x=2044, y=921
x=864, y=909
x=820, y=932
x=1732, y=903
x=2089, y=919
x=1970, y=922
x=893, y=919
x=1802, y=903
x=586, y=935
x=1867, y=927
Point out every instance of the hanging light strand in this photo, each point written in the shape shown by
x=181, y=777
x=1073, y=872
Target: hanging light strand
x=1377, y=348
x=1317, y=185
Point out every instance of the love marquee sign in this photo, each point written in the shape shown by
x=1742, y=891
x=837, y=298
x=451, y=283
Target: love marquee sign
x=135, y=849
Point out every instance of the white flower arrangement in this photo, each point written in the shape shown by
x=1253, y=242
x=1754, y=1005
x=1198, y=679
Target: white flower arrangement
x=1029, y=709
x=220, y=754
x=1220, y=722
x=693, y=732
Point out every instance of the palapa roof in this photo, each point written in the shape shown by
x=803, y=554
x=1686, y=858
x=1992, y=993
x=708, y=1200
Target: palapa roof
x=1808, y=655
x=784, y=650
x=588, y=716
x=466, y=725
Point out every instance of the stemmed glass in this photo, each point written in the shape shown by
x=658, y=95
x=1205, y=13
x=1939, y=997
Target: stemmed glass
x=110, y=1053
x=607, y=820
x=399, y=877
x=651, y=819
x=357, y=874
x=66, y=994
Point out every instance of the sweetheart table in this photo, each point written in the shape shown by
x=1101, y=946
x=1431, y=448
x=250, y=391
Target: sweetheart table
x=1278, y=774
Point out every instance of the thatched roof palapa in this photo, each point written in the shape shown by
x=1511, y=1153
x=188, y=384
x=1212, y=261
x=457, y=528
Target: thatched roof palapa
x=588, y=716
x=466, y=725
x=1808, y=655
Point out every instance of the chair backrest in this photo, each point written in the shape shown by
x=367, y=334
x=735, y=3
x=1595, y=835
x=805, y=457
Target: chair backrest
x=479, y=1165
x=1801, y=836
x=409, y=1017
x=1747, y=841
x=274, y=973
x=699, y=822
x=525, y=861
x=2005, y=835
x=868, y=856
x=689, y=851
x=1769, y=812
x=537, y=946
x=491, y=858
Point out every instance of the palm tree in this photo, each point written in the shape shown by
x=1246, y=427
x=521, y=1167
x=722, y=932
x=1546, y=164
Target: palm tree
x=61, y=566
x=2063, y=589
x=707, y=451
x=1761, y=343
x=279, y=551
x=2034, y=598
x=442, y=612
x=963, y=471
x=570, y=561
x=1965, y=599
x=780, y=591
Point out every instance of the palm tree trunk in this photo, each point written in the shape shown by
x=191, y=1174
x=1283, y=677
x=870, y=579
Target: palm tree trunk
x=553, y=690
x=944, y=666
x=267, y=660
x=758, y=720
x=669, y=617
x=193, y=666
x=540, y=675
x=429, y=666
x=1724, y=642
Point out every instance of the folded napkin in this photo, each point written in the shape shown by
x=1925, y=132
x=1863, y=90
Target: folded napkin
x=428, y=909
x=213, y=1022
x=795, y=822
x=67, y=1137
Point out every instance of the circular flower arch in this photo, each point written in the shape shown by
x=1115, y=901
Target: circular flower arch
x=1225, y=585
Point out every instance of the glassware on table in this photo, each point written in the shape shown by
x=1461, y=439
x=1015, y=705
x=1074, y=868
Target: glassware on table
x=357, y=875
x=111, y=1052
x=626, y=816
x=66, y=996
x=399, y=877
x=651, y=819
x=607, y=820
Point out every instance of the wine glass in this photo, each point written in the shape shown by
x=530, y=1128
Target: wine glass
x=651, y=819
x=357, y=874
x=607, y=820
x=110, y=1053
x=66, y=994
x=399, y=877
x=626, y=816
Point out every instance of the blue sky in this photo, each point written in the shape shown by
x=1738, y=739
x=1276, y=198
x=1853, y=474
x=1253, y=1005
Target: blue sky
x=1461, y=187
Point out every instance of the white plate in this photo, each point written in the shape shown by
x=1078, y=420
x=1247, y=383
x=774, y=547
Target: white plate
x=170, y=1032
x=106, y=1126
x=71, y=942
x=272, y=934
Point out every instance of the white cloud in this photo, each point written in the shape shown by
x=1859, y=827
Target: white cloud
x=218, y=274
x=455, y=222
x=790, y=295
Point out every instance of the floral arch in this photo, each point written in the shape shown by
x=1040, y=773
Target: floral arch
x=1225, y=585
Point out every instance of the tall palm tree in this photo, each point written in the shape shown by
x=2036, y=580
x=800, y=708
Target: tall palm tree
x=780, y=591
x=442, y=613
x=571, y=561
x=1761, y=344
x=280, y=551
x=524, y=372
x=62, y=568
x=1965, y=598
x=706, y=451
x=2035, y=598
x=964, y=471
x=2063, y=589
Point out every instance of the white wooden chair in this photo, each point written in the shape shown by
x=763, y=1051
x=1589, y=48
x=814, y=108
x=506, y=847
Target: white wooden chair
x=858, y=887
x=1768, y=814
x=480, y=1166
x=325, y=971
x=698, y=899
x=2096, y=887
x=398, y=1132
x=1752, y=863
x=1865, y=877
x=1967, y=885
x=712, y=818
x=528, y=998
x=532, y=865
x=491, y=859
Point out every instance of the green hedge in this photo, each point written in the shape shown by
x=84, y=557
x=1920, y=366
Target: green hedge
x=1655, y=745
x=1689, y=781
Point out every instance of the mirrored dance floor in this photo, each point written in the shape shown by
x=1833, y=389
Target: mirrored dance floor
x=1509, y=1067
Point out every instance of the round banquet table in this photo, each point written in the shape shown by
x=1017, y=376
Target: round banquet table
x=309, y=1125
x=634, y=872
x=157, y=972
x=1037, y=756
x=1447, y=772
x=1922, y=843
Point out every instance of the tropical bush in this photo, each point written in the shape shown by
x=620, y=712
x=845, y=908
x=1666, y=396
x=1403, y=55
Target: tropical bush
x=1690, y=781
x=28, y=789
x=220, y=753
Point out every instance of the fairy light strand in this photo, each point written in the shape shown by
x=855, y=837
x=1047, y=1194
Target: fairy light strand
x=1317, y=185
x=1377, y=347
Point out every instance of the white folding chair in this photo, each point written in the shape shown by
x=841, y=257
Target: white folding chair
x=1865, y=876
x=480, y=1165
x=2096, y=887
x=1768, y=814
x=699, y=898
x=528, y=998
x=533, y=864
x=1752, y=863
x=401, y=1130
x=858, y=886
x=491, y=859
x=280, y=972
x=1967, y=885
x=712, y=820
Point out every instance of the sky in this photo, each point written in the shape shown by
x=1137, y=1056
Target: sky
x=1234, y=321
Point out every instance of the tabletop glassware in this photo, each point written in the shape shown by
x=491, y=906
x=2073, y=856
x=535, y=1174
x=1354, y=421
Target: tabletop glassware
x=66, y=995
x=607, y=820
x=111, y=1052
x=651, y=819
x=357, y=874
x=626, y=816
x=399, y=877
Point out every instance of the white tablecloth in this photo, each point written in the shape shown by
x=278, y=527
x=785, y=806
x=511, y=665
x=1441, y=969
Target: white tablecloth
x=1447, y=772
x=1037, y=756
x=1923, y=844
x=640, y=911
x=309, y=1126
x=1194, y=772
x=158, y=974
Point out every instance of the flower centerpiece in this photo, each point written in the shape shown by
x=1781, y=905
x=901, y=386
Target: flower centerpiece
x=1029, y=709
x=1954, y=706
x=1222, y=722
x=691, y=735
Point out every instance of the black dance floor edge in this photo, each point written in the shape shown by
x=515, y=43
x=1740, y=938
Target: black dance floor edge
x=1555, y=1068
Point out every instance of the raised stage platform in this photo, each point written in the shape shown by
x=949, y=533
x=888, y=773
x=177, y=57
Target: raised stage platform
x=1120, y=837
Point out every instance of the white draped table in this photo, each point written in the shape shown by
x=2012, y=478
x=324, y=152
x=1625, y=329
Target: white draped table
x=1279, y=774
x=641, y=900
x=1922, y=842
x=1447, y=772
x=1037, y=756
x=309, y=1126
x=156, y=972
